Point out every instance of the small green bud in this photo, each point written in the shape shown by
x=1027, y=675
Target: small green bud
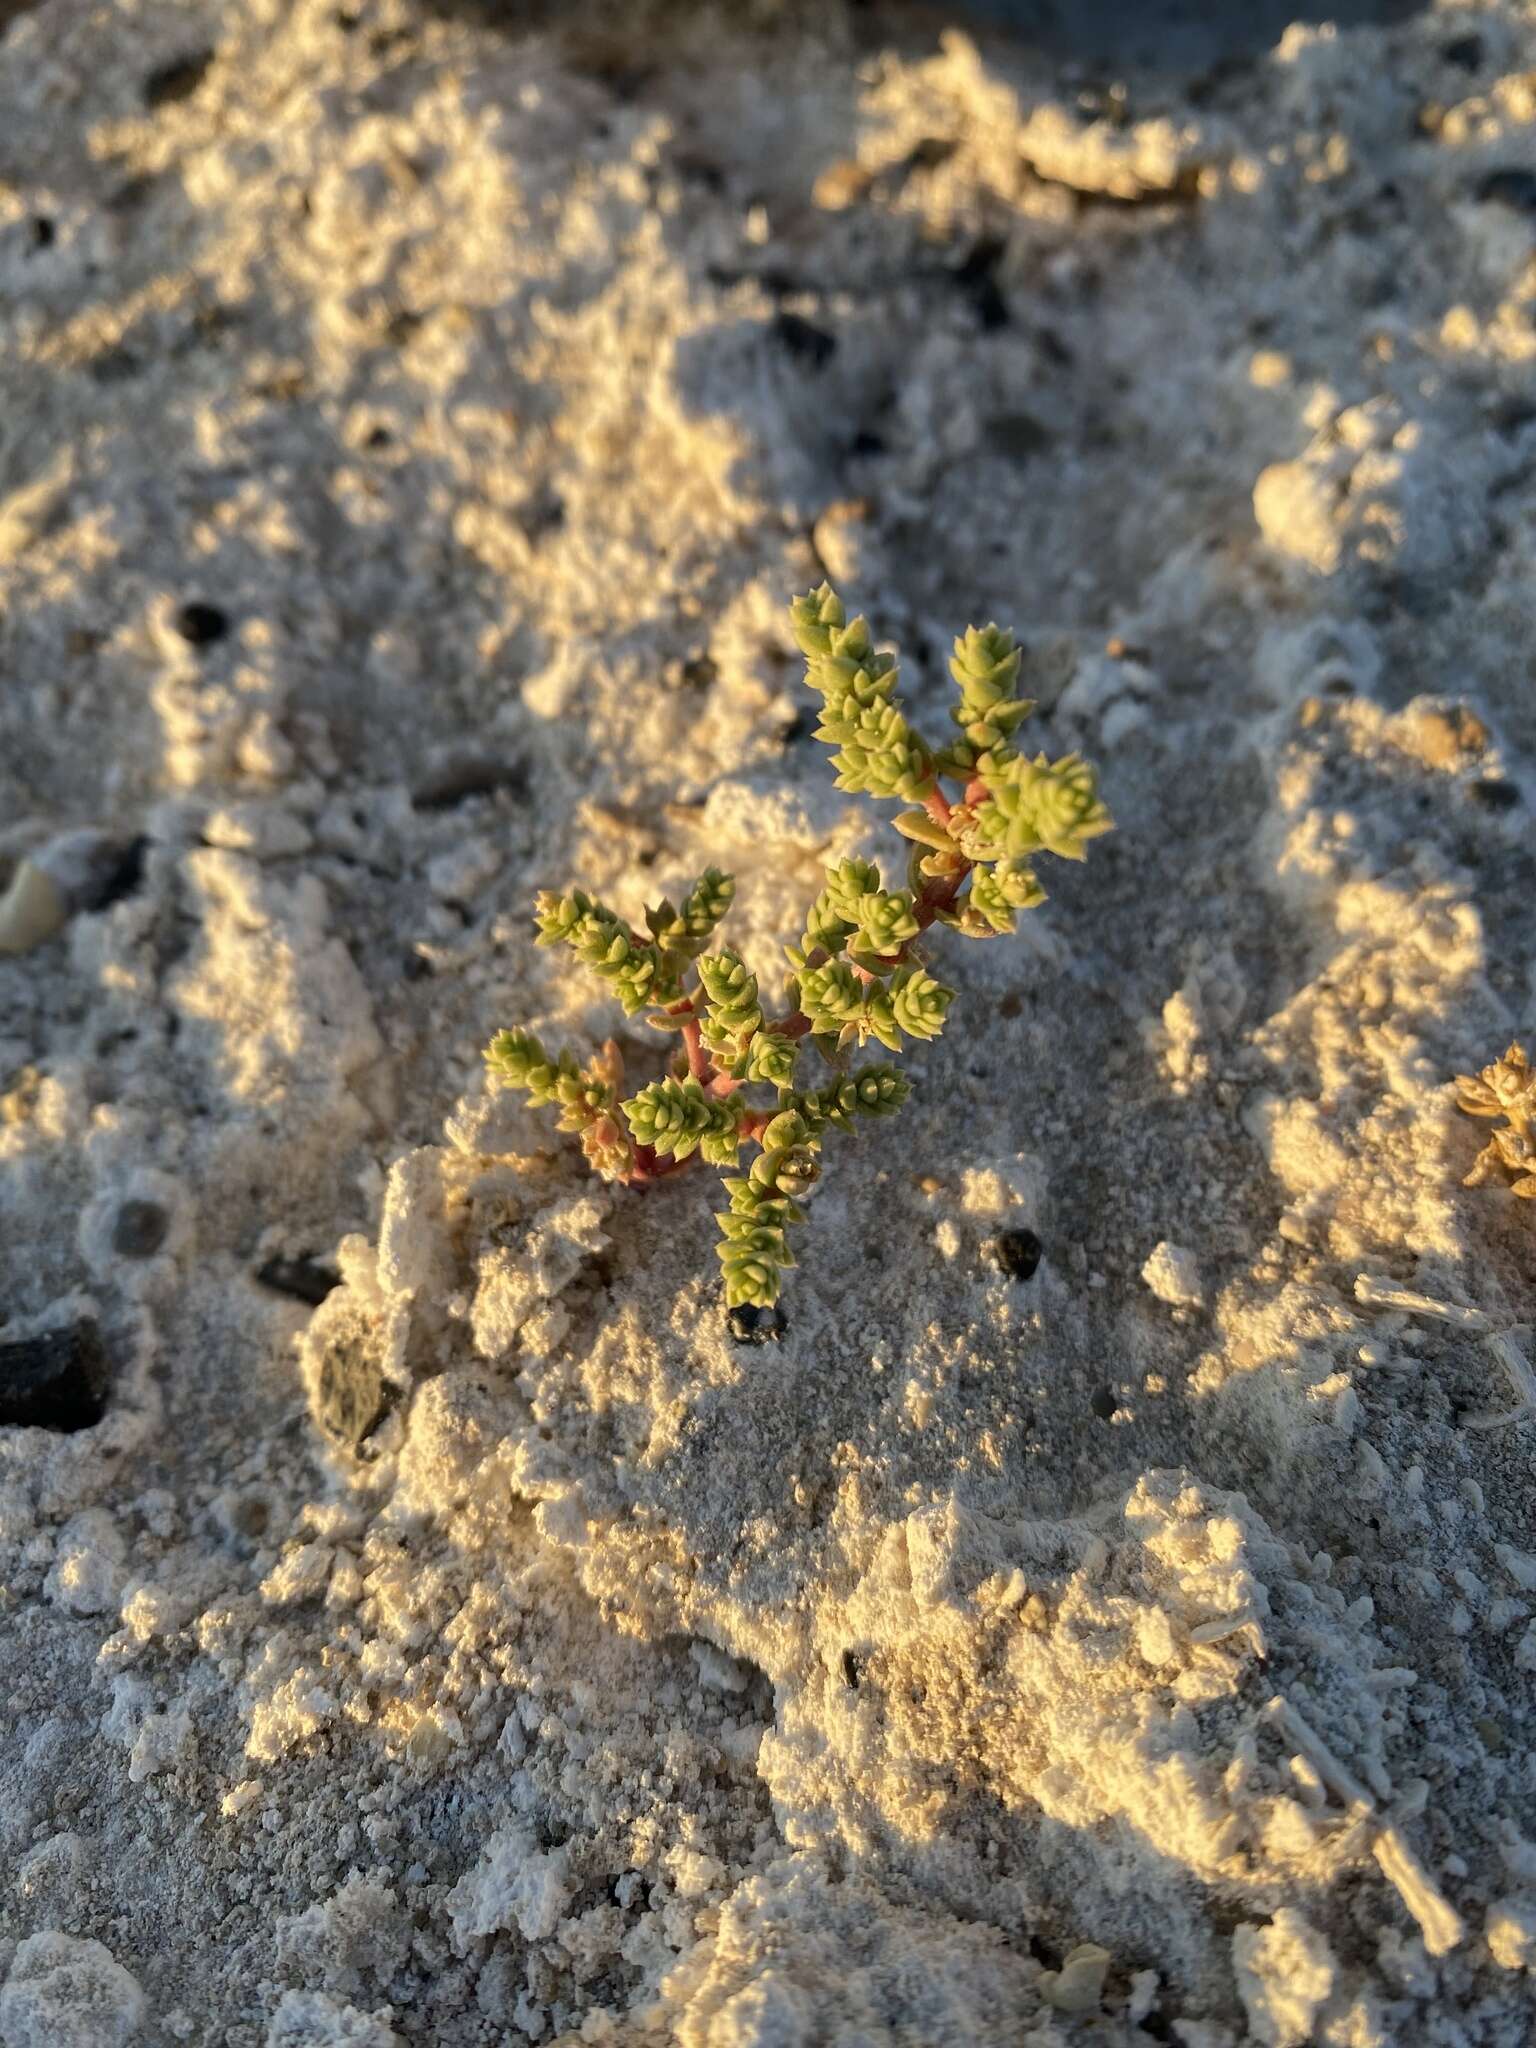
x=869, y=1091
x=1038, y=804
x=814, y=618
x=997, y=895
x=879, y=754
x=771, y=1057
x=986, y=666
x=831, y=996
x=518, y=1058
x=785, y=1130
x=675, y=1117
x=886, y=921
x=848, y=884
x=755, y=1249
x=558, y=916
x=919, y=1002
x=683, y=933
x=734, y=1011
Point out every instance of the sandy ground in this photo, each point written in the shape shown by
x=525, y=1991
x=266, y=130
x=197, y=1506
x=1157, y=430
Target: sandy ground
x=412, y=423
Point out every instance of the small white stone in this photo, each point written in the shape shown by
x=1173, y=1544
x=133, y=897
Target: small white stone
x=1173, y=1276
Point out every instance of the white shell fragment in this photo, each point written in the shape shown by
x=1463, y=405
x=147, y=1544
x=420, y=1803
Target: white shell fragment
x=32, y=909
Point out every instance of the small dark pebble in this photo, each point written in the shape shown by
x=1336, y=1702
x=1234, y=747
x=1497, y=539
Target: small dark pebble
x=133, y=192
x=462, y=776
x=799, y=727
x=1103, y=1402
x=56, y=1381
x=928, y=153
x=977, y=278
x=1016, y=436
x=851, y=1673
x=43, y=231
x=811, y=344
x=114, y=365
x=139, y=1229
x=750, y=1325
x=1512, y=187
x=116, y=875
x=416, y=966
x=1465, y=52
x=202, y=624
x=301, y=1279
x=1497, y=796
x=378, y=437
x=866, y=443
x=177, y=80
x=1017, y=1253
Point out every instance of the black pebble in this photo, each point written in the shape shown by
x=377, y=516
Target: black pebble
x=1017, y=1253
x=56, y=1381
x=1103, y=1403
x=42, y=231
x=977, y=278
x=139, y=1229
x=177, y=80
x=755, y=1325
x=116, y=875
x=1465, y=52
x=301, y=1279
x=1498, y=796
x=202, y=624
x=462, y=776
x=811, y=344
x=865, y=442
x=1512, y=187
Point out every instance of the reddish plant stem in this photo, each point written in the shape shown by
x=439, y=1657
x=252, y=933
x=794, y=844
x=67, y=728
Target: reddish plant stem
x=648, y=1167
x=937, y=806
x=700, y=1067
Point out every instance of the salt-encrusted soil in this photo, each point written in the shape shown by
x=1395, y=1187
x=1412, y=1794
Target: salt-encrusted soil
x=485, y=386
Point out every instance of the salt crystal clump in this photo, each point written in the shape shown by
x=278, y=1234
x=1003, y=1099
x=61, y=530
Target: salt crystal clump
x=1285, y=1973
x=162, y=1741
x=356, y=1934
x=1173, y=1276
x=515, y=1884
x=309, y=2019
x=517, y=1286
x=87, y=1574
x=66, y=1993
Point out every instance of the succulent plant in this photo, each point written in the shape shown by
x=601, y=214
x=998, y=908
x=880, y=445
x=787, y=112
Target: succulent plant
x=857, y=971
